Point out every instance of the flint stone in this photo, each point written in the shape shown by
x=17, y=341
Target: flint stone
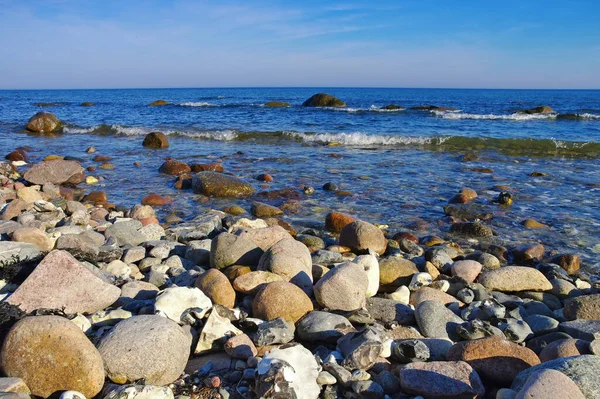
x=319, y=326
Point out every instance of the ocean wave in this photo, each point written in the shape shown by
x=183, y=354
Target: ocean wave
x=589, y=116
x=512, y=146
x=511, y=117
x=362, y=139
x=372, y=108
x=196, y=104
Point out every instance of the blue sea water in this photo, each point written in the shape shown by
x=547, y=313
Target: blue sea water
x=400, y=167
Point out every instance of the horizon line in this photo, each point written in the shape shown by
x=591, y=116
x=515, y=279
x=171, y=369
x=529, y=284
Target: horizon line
x=300, y=87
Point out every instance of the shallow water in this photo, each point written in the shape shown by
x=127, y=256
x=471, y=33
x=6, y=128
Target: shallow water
x=401, y=167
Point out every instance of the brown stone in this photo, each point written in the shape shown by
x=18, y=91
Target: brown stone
x=261, y=210
x=213, y=184
x=336, y=221
x=564, y=348
x=17, y=155
x=172, y=167
x=528, y=253
x=515, y=279
x=361, y=236
x=43, y=122
x=405, y=235
x=251, y=282
x=60, y=281
x=533, y=224
x=281, y=299
x=494, y=358
x=210, y=167
x=464, y=196
x=33, y=236
x=217, y=287
x=158, y=103
x=14, y=209
x=50, y=353
x=240, y=347
x=156, y=200
x=264, y=177
x=156, y=140
x=394, y=272
x=585, y=307
x=569, y=262
x=96, y=196
x=233, y=272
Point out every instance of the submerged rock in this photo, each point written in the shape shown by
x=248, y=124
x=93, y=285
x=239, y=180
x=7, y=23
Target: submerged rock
x=214, y=184
x=544, y=109
x=156, y=140
x=277, y=104
x=55, y=172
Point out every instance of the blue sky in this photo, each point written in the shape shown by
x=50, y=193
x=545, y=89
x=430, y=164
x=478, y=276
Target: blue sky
x=461, y=43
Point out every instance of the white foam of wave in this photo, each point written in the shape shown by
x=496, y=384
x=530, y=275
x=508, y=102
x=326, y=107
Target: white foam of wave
x=357, y=139
x=589, y=116
x=512, y=117
x=372, y=108
x=218, y=135
x=196, y=104
x=79, y=130
x=130, y=131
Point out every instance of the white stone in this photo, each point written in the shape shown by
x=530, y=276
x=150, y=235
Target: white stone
x=371, y=265
x=300, y=371
x=582, y=285
x=215, y=332
x=245, y=223
x=402, y=294
x=118, y=269
x=182, y=304
x=72, y=395
x=139, y=392
x=326, y=378
x=82, y=322
x=109, y=317
x=420, y=280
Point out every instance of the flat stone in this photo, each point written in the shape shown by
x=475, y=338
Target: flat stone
x=514, y=279
x=456, y=380
x=50, y=353
x=55, y=172
x=581, y=329
x=60, y=281
x=176, y=303
x=264, y=237
x=495, y=359
x=389, y=310
x=12, y=253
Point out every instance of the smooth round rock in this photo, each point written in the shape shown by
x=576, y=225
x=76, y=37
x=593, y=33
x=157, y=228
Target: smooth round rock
x=343, y=288
x=217, y=287
x=565, y=348
x=214, y=184
x=50, y=353
x=494, y=358
x=290, y=259
x=586, y=307
x=549, y=383
x=361, y=236
x=43, y=122
x=515, y=279
x=148, y=347
x=468, y=270
x=281, y=299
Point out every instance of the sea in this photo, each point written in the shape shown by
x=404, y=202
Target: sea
x=395, y=168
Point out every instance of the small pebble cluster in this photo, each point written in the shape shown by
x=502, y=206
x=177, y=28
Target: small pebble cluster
x=99, y=301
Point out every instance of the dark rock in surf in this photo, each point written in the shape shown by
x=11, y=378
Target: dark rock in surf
x=323, y=100
x=43, y=122
x=156, y=140
x=544, y=109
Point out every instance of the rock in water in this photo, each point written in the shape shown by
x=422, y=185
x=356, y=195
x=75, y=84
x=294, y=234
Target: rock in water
x=50, y=353
x=515, y=279
x=156, y=140
x=361, y=236
x=148, y=347
x=289, y=372
x=281, y=299
x=60, y=281
x=323, y=100
x=43, y=122
x=291, y=260
x=213, y=184
x=456, y=380
x=158, y=103
x=343, y=288
x=277, y=104
x=544, y=109
x=55, y=172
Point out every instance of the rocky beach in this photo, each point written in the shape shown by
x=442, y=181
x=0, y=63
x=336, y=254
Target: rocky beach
x=242, y=295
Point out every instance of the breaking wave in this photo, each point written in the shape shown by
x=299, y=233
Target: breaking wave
x=512, y=146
